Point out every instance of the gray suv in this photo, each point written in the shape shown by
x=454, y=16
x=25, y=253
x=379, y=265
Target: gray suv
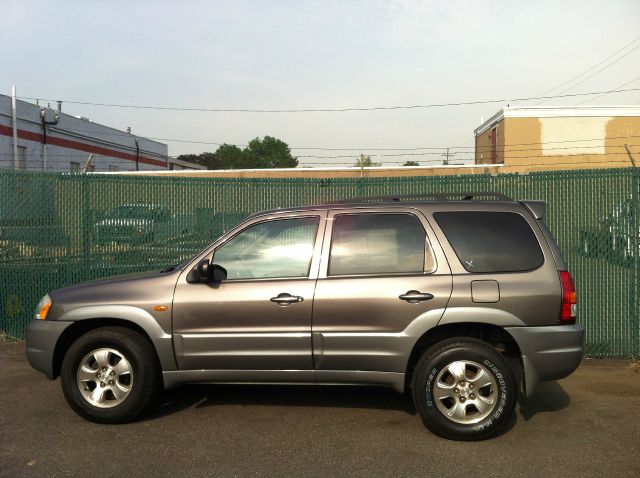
x=463, y=299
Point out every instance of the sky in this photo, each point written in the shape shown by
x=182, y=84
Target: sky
x=316, y=54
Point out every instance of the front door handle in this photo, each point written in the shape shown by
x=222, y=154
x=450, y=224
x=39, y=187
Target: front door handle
x=414, y=296
x=285, y=299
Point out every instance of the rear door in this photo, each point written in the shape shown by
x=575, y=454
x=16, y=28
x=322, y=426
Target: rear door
x=380, y=271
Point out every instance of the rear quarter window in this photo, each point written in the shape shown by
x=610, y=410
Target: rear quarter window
x=491, y=241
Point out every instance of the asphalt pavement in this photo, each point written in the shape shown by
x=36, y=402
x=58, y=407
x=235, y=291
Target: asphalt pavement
x=585, y=425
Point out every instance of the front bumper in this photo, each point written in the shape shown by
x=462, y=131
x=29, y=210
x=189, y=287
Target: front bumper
x=548, y=353
x=42, y=337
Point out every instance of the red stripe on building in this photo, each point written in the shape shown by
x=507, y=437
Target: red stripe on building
x=78, y=146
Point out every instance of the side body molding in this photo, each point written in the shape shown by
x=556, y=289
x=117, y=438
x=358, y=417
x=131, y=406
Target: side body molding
x=161, y=340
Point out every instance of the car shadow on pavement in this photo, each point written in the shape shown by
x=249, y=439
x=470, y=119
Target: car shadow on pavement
x=548, y=397
x=199, y=396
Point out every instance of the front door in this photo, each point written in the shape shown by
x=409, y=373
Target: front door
x=259, y=318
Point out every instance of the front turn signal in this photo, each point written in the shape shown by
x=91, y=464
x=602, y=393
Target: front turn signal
x=42, y=309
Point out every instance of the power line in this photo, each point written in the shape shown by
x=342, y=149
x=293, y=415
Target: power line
x=519, y=164
x=517, y=157
x=330, y=110
x=592, y=67
x=401, y=154
x=604, y=94
x=362, y=149
x=499, y=151
x=597, y=72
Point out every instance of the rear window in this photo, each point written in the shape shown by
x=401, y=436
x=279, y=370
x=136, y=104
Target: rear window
x=491, y=241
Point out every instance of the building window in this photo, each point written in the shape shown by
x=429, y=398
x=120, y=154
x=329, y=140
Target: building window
x=90, y=169
x=22, y=157
x=113, y=167
x=74, y=167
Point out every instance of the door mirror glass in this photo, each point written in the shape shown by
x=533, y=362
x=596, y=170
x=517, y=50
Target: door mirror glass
x=217, y=273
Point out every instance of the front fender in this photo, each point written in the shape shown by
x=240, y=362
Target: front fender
x=161, y=340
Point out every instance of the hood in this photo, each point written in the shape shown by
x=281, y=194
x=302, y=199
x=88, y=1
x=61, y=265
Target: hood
x=139, y=290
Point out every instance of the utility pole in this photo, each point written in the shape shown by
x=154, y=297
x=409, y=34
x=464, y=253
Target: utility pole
x=15, y=127
x=447, y=155
x=635, y=246
x=87, y=164
x=135, y=139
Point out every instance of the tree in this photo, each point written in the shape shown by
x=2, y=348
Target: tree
x=231, y=156
x=207, y=160
x=365, y=162
x=268, y=152
x=411, y=163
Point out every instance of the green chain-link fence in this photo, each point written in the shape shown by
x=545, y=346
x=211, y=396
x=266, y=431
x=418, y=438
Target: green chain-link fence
x=61, y=229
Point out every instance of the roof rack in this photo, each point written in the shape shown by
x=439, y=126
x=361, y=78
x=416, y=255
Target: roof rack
x=467, y=196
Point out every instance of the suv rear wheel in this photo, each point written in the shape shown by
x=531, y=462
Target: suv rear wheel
x=110, y=374
x=464, y=389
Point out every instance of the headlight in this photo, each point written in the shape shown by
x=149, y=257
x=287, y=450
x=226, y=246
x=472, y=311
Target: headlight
x=42, y=309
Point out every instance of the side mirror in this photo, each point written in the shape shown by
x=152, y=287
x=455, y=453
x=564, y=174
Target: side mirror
x=200, y=273
x=206, y=272
x=217, y=273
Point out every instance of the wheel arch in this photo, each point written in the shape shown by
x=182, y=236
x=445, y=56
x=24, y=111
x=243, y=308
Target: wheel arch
x=161, y=341
x=491, y=334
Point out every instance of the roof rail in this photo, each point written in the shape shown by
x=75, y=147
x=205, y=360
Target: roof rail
x=467, y=196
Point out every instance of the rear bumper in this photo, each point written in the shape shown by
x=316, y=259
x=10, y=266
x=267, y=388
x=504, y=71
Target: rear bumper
x=42, y=337
x=548, y=353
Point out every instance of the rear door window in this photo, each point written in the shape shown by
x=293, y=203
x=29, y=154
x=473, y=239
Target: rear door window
x=491, y=241
x=371, y=243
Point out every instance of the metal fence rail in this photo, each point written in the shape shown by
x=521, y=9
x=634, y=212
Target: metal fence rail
x=61, y=229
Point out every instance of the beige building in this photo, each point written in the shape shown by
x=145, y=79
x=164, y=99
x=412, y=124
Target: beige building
x=559, y=137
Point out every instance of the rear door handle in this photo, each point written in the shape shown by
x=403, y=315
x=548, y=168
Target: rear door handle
x=414, y=296
x=285, y=299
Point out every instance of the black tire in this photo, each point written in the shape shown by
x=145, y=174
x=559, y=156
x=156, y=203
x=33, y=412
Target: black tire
x=144, y=381
x=431, y=371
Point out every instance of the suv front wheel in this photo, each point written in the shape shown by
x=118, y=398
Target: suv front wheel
x=110, y=374
x=464, y=389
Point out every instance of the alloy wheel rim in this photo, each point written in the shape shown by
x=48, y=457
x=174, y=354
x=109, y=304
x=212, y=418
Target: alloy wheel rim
x=465, y=392
x=105, y=377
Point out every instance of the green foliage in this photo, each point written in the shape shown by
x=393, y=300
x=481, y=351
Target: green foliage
x=411, y=163
x=365, y=161
x=268, y=152
x=207, y=160
x=230, y=156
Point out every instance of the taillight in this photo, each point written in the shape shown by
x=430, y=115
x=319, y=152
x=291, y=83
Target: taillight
x=569, y=307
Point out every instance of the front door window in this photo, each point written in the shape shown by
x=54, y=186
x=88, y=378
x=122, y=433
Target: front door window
x=270, y=250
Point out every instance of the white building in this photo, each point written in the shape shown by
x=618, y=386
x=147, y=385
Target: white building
x=50, y=140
